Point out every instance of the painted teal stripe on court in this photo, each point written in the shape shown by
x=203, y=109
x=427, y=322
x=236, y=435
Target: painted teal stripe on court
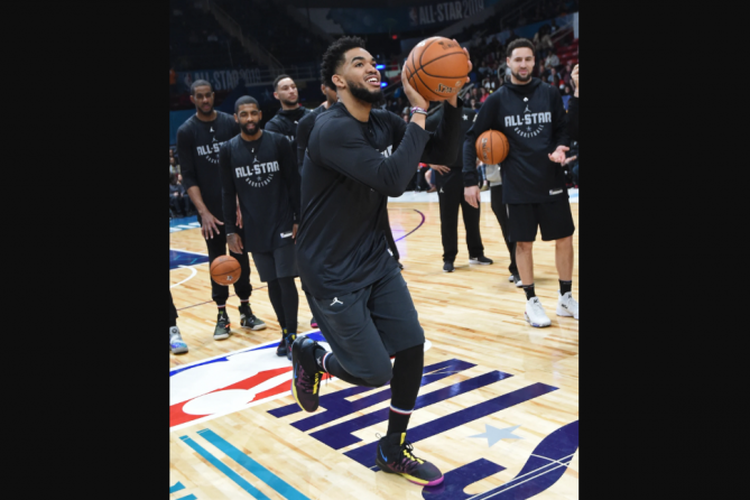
x=226, y=470
x=265, y=475
x=177, y=487
x=189, y=497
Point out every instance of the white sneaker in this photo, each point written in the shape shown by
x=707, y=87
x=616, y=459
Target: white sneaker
x=567, y=305
x=176, y=344
x=535, y=314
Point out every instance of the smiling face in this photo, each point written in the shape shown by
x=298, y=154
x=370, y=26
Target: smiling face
x=359, y=76
x=249, y=116
x=521, y=63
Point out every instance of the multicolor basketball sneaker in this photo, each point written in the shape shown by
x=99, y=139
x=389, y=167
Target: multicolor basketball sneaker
x=395, y=456
x=305, y=374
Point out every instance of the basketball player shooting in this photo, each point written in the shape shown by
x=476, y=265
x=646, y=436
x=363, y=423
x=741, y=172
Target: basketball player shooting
x=358, y=156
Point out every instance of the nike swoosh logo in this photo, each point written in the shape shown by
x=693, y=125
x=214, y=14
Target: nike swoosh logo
x=381, y=454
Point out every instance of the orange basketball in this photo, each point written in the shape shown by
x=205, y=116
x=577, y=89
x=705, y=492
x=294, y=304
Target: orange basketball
x=437, y=68
x=492, y=147
x=225, y=270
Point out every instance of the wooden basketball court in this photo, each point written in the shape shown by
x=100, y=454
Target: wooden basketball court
x=497, y=411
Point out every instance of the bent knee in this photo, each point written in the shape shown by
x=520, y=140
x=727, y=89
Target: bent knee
x=381, y=375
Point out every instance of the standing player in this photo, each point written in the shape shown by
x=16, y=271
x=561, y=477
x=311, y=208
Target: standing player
x=357, y=156
x=198, y=142
x=449, y=183
x=258, y=169
x=287, y=118
x=531, y=115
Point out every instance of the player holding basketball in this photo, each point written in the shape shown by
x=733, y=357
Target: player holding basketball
x=357, y=156
x=258, y=169
x=198, y=141
x=531, y=115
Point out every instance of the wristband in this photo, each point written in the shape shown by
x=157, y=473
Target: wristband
x=417, y=109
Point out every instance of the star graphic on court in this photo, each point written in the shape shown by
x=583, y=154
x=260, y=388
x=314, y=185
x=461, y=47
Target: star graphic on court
x=493, y=434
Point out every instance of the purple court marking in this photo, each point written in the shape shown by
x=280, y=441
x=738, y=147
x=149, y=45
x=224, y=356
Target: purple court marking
x=418, y=225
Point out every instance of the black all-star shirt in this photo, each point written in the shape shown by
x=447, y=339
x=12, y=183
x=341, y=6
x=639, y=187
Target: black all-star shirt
x=532, y=117
x=263, y=175
x=349, y=171
x=198, y=146
x=285, y=122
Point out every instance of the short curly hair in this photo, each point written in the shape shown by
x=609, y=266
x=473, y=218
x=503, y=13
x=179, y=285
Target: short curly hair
x=334, y=57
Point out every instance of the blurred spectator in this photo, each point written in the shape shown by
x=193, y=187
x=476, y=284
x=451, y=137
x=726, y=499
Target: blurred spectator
x=541, y=71
x=483, y=95
x=179, y=202
x=566, y=94
x=174, y=167
x=553, y=78
x=552, y=60
x=565, y=72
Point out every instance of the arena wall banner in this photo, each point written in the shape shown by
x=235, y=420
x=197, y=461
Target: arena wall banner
x=338, y=21
x=220, y=79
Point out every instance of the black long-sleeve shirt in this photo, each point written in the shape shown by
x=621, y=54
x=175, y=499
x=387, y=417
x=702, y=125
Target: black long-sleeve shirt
x=198, y=144
x=285, y=122
x=573, y=118
x=455, y=164
x=533, y=119
x=264, y=176
x=350, y=170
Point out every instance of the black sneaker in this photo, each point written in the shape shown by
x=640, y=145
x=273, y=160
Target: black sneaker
x=249, y=320
x=288, y=339
x=281, y=349
x=305, y=374
x=223, y=327
x=448, y=267
x=395, y=456
x=313, y=323
x=480, y=260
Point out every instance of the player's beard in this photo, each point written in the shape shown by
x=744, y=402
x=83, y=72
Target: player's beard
x=520, y=78
x=204, y=113
x=250, y=131
x=291, y=103
x=361, y=93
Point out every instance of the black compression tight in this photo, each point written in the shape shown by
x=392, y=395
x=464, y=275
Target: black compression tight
x=285, y=301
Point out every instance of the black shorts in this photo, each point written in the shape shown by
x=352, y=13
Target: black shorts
x=281, y=263
x=554, y=219
x=366, y=327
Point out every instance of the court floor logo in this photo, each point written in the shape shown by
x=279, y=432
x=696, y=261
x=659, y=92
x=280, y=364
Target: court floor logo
x=225, y=384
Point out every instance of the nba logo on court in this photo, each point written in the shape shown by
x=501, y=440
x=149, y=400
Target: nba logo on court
x=229, y=383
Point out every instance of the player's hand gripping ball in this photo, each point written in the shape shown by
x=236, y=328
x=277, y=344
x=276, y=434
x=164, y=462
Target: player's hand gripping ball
x=437, y=68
